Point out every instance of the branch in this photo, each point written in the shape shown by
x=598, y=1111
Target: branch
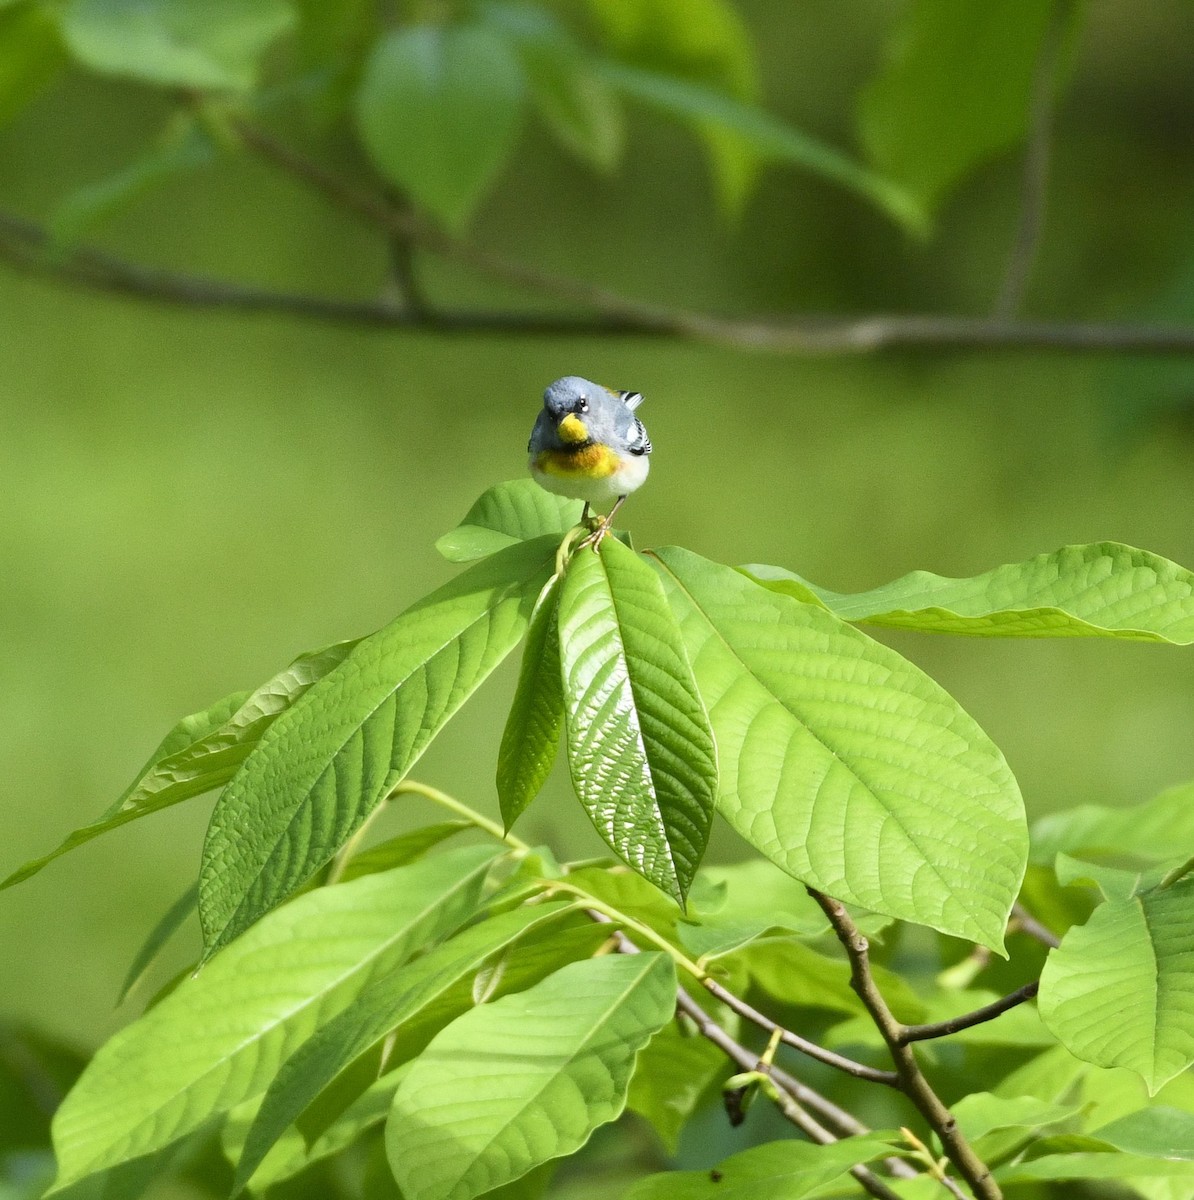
x=26, y=247
x=848, y=1065
x=1034, y=186
x=1028, y=924
x=912, y=1080
x=922, y=1033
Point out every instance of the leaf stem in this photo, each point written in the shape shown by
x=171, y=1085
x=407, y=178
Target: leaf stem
x=912, y=1080
x=409, y=786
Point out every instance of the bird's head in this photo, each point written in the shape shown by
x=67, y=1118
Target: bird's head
x=571, y=402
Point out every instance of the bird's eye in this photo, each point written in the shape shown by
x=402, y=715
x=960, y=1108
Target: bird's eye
x=583, y=406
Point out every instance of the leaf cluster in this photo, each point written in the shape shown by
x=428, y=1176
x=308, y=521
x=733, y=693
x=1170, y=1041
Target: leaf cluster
x=471, y=1015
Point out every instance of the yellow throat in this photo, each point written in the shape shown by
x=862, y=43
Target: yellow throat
x=572, y=430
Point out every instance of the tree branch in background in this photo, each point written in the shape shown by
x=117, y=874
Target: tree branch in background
x=603, y=313
x=24, y=246
x=912, y=1080
x=1034, y=186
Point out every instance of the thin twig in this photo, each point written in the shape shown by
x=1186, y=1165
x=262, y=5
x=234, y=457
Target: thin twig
x=922, y=1033
x=848, y=1065
x=1034, y=186
x=912, y=1080
x=24, y=245
x=1030, y=925
x=786, y=1101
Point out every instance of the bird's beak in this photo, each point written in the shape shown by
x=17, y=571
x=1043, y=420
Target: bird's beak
x=571, y=429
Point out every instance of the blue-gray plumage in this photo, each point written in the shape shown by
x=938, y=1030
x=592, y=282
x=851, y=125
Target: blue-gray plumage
x=587, y=442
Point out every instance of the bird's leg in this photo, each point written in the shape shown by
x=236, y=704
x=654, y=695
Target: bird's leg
x=604, y=525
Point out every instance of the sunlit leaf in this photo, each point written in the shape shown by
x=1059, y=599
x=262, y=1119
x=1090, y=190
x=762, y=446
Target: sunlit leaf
x=788, y=1169
x=294, y=1152
x=982, y=1113
x=202, y=752
x=385, y=1004
x=219, y=1037
x=639, y=744
x=796, y=974
x=1104, y=589
x=532, y=734
x=1158, y=830
x=405, y=848
x=1090, y=1164
x=510, y=512
x=1119, y=991
x=206, y=44
x=845, y=764
x=527, y=1078
x=1158, y=1132
x=439, y=109
x=325, y=764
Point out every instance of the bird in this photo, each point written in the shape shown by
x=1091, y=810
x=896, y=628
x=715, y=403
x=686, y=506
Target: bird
x=588, y=444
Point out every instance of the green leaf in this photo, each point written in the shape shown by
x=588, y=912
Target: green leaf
x=1104, y=589
x=205, y=44
x=982, y=1113
x=31, y=55
x=400, y=850
x=639, y=744
x=845, y=764
x=1157, y=1132
x=776, y=1170
x=527, y=1078
x=755, y=898
x=796, y=974
x=294, y=1152
x=1157, y=831
x=201, y=753
x=324, y=765
x=162, y=932
x=576, y=104
x=515, y=511
x=389, y=1001
x=532, y=734
x=671, y=1076
x=704, y=42
x=185, y=148
x=954, y=92
x=439, y=108
x=1119, y=991
x=770, y=138
x=218, y=1038
x=1091, y=1164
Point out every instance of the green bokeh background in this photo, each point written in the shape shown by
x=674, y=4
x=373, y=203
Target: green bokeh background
x=187, y=500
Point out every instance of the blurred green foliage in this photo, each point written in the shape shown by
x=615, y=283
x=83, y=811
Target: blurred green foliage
x=190, y=499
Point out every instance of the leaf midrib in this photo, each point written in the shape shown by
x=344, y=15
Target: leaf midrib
x=360, y=966
x=784, y=704
x=304, y=799
x=594, y=1029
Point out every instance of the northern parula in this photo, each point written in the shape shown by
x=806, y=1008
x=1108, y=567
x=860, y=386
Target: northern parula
x=587, y=444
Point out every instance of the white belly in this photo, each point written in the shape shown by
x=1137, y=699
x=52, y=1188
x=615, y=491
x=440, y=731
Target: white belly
x=629, y=477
